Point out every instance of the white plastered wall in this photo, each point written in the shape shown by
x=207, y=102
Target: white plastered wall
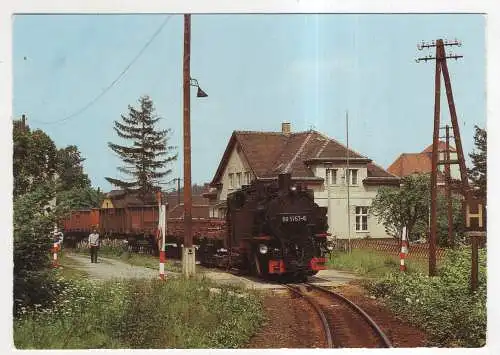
x=336, y=202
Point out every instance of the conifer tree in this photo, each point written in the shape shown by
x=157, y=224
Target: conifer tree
x=478, y=172
x=147, y=155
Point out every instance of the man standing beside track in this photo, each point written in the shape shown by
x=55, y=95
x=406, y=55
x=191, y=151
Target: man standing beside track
x=93, y=245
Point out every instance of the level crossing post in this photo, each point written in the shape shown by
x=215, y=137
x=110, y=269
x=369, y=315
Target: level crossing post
x=161, y=233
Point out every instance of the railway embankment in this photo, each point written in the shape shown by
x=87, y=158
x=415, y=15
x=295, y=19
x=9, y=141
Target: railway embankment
x=442, y=306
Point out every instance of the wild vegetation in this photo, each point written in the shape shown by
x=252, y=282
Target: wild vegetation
x=140, y=314
x=443, y=305
x=43, y=175
x=371, y=264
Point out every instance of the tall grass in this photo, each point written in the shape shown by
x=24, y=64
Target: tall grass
x=141, y=314
x=371, y=263
x=442, y=305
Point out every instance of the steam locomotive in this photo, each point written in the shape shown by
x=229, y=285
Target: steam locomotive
x=274, y=230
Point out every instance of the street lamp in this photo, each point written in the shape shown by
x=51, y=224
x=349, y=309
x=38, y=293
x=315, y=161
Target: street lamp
x=200, y=92
x=188, y=252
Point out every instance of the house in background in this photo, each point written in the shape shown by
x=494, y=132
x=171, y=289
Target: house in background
x=421, y=163
x=121, y=199
x=313, y=160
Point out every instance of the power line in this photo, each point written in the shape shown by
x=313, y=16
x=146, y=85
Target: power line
x=124, y=71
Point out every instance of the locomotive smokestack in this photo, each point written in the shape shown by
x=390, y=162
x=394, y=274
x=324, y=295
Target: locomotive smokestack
x=286, y=128
x=284, y=181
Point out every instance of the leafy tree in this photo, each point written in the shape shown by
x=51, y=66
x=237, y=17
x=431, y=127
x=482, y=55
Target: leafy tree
x=78, y=198
x=410, y=205
x=21, y=138
x=478, y=172
x=34, y=159
x=407, y=206
x=33, y=222
x=148, y=152
x=70, y=169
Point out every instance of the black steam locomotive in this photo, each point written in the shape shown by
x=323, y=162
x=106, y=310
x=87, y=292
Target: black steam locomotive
x=273, y=229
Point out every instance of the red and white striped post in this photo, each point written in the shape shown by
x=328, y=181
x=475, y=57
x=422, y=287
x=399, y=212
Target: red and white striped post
x=404, y=250
x=161, y=233
x=55, y=249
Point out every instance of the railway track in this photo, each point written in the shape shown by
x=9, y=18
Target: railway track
x=345, y=324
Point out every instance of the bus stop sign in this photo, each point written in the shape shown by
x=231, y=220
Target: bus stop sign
x=475, y=215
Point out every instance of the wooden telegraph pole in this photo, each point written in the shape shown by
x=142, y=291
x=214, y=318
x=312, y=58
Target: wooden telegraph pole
x=188, y=257
x=447, y=174
x=441, y=66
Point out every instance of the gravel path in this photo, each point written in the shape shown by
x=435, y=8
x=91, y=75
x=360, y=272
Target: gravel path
x=107, y=269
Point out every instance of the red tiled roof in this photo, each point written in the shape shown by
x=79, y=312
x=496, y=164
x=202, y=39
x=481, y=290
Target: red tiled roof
x=261, y=149
x=378, y=172
x=411, y=163
x=271, y=153
x=416, y=163
x=441, y=147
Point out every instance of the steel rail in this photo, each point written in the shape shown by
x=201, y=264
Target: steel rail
x=358, y=309
x=319, y=311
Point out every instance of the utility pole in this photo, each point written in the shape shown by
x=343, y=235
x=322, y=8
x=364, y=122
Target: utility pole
x=447, y=173
x=188, y=256
x=23, y=122
x=441, y=65
x=348, y=175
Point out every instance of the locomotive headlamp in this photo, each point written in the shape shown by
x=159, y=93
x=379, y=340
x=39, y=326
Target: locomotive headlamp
x=263, y=249
x=293, y=188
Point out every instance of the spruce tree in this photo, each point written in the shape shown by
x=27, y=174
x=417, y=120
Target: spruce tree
x=147, y=155
x=478, y=172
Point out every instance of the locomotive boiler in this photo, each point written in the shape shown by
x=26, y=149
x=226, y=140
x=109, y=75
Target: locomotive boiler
x=276, y=229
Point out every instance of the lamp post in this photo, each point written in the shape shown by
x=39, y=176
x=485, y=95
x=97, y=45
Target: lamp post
x=188, y=252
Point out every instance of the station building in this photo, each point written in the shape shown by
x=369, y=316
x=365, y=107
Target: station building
x=315, y=161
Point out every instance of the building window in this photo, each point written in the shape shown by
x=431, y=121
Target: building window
x=331, y=176
x=353, y=176
x=231, y=181
x=361, y=218
x=238, y=179
x=247, y=178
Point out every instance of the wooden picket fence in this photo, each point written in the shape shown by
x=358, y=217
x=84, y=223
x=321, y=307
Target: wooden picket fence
x=389, y=246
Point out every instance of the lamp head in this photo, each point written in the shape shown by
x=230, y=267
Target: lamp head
x=201, y=93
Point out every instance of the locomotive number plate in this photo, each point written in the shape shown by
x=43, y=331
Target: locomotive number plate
x=294, y=219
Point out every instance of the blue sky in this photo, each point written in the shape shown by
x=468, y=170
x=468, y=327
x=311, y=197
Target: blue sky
x=258, y=71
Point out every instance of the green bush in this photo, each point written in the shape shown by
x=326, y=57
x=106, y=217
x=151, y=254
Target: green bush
x=443, y=305
x=33, y=223
x=140, y=314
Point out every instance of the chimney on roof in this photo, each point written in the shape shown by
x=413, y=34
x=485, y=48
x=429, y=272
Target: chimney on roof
x=286, y=127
